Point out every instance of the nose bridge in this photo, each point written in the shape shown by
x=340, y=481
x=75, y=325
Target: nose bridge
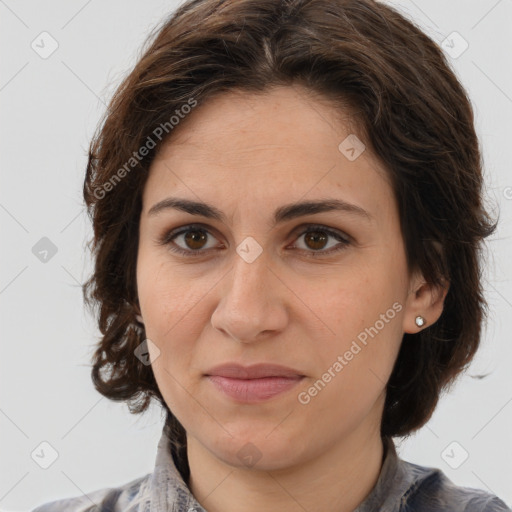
x=249, y=277
x=249, y=303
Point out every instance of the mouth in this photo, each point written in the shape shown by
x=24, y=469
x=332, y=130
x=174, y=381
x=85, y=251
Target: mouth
x=255, y=383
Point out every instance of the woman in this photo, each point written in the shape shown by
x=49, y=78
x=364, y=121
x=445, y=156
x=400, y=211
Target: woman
x=287, y=207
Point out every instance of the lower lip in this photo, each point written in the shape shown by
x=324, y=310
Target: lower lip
x=254, y=390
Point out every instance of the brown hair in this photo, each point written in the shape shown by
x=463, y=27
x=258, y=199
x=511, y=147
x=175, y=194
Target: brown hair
x=411, y=111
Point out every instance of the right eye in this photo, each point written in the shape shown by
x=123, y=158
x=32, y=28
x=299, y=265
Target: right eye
x=190, y=240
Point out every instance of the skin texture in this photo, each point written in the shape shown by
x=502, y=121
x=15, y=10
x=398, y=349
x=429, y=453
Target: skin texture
x=247, y=155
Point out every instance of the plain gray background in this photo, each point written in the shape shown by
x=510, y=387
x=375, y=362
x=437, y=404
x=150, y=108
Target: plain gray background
x=49, y=110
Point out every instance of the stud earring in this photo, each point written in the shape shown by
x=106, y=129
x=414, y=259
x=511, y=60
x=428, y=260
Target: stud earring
x=420, y=321
x=139, y=318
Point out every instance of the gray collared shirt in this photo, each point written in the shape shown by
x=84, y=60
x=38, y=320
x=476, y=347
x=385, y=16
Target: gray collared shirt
x=401, y=487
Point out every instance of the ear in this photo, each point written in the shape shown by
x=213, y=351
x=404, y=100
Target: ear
x=425, y=300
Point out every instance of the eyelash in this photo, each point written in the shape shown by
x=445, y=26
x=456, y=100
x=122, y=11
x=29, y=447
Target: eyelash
x=167, y=239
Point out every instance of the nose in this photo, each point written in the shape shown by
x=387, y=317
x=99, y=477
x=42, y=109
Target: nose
x=252, y=303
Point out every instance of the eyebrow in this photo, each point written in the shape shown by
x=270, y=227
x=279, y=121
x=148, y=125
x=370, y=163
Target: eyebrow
x=281, y=214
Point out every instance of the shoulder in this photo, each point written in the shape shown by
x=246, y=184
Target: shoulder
x=102, y=500
x=431, y=490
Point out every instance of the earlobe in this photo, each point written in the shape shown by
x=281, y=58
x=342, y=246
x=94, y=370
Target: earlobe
x=424, y=306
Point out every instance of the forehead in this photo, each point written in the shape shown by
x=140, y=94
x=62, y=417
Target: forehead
x=247, y=146
x=237, y=121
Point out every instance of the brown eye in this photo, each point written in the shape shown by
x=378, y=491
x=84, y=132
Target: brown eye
x=189, y=241
x=195, y=239
x=316, y=239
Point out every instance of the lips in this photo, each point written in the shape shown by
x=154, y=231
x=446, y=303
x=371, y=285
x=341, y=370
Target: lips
x=254, y=383
x=255, y=371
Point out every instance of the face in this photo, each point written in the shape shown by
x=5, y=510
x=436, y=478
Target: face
x=255, y=279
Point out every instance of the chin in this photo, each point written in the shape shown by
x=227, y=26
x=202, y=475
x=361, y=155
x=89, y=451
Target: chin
x=262, y=449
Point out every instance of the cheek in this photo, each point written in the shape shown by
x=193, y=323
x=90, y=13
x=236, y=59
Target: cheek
x=167, y=296
x=355, y=365
x=352, y=299
x=170, y=306
x=363, y=311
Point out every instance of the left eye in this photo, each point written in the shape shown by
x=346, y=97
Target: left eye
x=195, y=241
x=316, y=239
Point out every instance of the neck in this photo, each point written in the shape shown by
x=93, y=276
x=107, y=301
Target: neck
x=337, y=480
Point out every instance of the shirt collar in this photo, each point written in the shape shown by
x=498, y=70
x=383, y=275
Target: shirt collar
x=392, y=484
x=169, y=492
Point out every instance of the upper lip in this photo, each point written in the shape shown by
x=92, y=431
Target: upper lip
x=255, y=371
